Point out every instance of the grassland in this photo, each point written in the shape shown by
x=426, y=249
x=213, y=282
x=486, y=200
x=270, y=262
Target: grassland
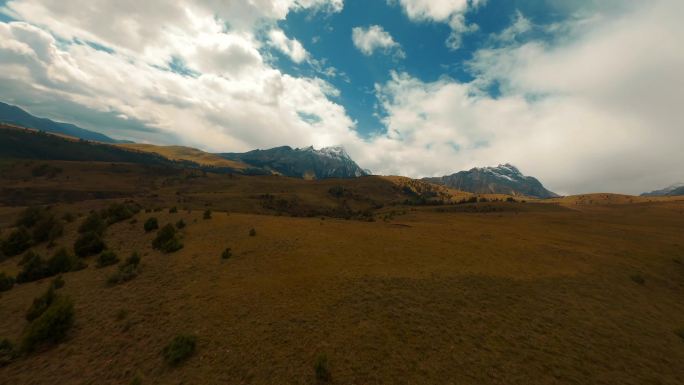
x=390, y=288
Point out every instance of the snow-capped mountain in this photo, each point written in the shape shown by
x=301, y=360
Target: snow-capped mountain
x=675, y=189
x=308, y=163
x=503, y=179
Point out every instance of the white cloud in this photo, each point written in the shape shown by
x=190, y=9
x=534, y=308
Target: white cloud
x=234, y=100
x=451, y=12
x=290, y=47
x=598, y=110
x=370, y=39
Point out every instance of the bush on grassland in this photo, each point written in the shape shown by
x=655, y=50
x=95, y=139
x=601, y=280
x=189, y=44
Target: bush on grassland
x=167, y=240
x=126, y=272
x=51, y=326
x=48, y=228
x=207, y=214
x=180, y=224
x=37, y=268
x=6, y=282
x=179, y=349
x=227, y=253
x=107, y=258
x=322, y=370
x=17, y=242
x=41, y=304
x=151, y=224
x=89, y=243
x=7, y=352
x=92, y=224
x=118, y=212
x=30, y=216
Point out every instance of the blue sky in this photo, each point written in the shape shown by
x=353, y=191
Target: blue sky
x=583, y=94
x=427, y=57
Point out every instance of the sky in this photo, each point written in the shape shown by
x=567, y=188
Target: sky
x=585, y=95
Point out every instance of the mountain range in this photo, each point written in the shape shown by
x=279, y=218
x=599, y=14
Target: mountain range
x=503, y=179
x=675, y=189
x=305, y=163
x=14, y=115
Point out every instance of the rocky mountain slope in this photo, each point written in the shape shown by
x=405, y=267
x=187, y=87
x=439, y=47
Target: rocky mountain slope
x=503, y=179
x=307, y=163
x=675, y=189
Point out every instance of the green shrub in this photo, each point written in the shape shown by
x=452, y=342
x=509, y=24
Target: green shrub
x=151, y=224
x=118, y=212
x=179, y=349
x=167, y=240
x=58, y=282
x=252, y=233
x=6, y=282
x=50, y=327
x=92, y=224
x=638, y=279
x=33, y=269
x=680, y=333
x=47, y=229
x=17, y=242
x=41, y=304
x=89, y=243
x=126, y=272
x=207, y=214
x=322, y=370
x=63, y=262
x=68, y=217
x=227, y=253
x=7, y=352
x=180, y=224
x=107, y=258
x=133, y=260
x=37, y=268
x=173, y=210
x=30, y=216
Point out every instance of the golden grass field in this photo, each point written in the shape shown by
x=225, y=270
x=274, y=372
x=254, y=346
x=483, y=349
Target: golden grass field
x=489, y=293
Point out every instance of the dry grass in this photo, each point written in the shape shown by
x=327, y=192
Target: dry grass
x=187, y=153
x=535, y=293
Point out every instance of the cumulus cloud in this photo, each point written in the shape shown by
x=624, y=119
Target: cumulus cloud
x=172, y=66
x=373, y=38
x=443, y=11
x=598, y=110
x=290, y=47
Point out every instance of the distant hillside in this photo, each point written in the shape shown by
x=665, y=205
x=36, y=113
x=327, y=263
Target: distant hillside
x=676, y=189
x=17, y=142
x=503, y=179
x=15, y=115
x=307, y=163
x=187, y=154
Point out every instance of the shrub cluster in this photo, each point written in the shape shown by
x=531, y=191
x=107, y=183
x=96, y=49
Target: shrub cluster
x=51, y=326
x=107, y=258
x=118, y=212
x=180, y=224
x=35, y=267
x=167, y=240
x=7, y=352
x=6, y=282
x=151, y=224
x=179, y=349
x=227, y=253
x=127, y=270
x=17, y=242
x=207, y=214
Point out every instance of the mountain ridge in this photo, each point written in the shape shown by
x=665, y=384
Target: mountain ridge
x=673, y=190
x=502, y=179
x=306, y=163
x=11, y=114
